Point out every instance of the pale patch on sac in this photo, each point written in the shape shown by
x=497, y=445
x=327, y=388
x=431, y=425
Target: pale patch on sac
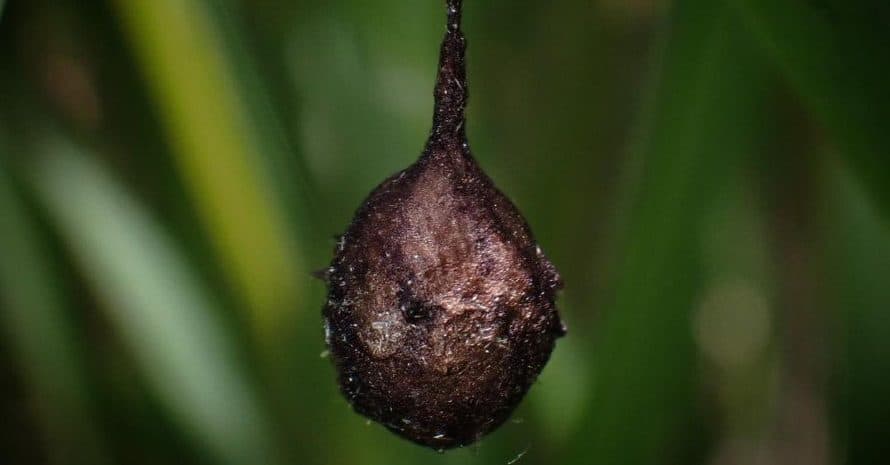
x=384, y=334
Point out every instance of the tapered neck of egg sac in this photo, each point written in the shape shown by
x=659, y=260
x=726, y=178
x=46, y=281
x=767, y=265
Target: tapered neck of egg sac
x=451, y=91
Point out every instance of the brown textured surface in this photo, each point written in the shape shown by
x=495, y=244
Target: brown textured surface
x=440, y=311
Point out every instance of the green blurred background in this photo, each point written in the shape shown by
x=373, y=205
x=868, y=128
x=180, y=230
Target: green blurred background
x=711, y=177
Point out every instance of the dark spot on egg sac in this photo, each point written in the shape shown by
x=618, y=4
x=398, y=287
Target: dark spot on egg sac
x=440, y=311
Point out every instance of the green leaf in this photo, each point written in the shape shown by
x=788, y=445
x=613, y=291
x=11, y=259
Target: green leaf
x=159, y=308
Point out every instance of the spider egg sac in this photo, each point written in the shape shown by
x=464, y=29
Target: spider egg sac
x=440, y=311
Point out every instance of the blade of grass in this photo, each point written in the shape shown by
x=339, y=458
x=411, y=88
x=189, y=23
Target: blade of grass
x=251, y=71
x=257, y=60
x=40, y=333
x=159, y=308
x=859, y=245
x=702, y=122
x=188, y=73
x=836, y=57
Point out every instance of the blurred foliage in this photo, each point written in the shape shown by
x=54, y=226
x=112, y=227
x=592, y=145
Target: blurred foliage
x=711, y=177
